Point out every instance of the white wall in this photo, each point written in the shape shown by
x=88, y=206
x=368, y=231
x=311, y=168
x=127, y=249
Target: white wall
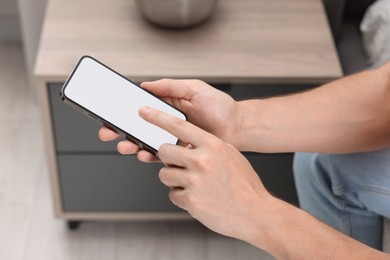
x=31, y=18
x=9, y=21
x=22, y=20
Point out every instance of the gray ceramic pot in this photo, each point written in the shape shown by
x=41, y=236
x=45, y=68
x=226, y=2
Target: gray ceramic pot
x=176, y=13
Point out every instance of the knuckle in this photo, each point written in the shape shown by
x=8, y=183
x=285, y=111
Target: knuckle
x=214, y=143
x=193, y=180
x=192, y=159
x=197, y=82
x=177, y=123
x=156, y=113
x=202, y=161
x=230, y=146
x=167, y=80
x=191, y=201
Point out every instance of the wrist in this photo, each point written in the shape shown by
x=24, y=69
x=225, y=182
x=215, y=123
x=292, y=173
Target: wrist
x=250, y=126
x=270, y=227
x=259, y=227
x=240, y=129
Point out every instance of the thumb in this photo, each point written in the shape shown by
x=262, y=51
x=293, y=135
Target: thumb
x=170, y=88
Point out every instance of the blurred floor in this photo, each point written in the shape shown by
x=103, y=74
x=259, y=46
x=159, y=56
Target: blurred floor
x=28, y=229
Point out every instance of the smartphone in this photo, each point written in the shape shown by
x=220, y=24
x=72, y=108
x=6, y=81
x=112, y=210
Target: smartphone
x=111, y=99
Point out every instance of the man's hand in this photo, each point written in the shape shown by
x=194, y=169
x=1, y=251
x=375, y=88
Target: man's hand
x=209, y=178
x=205, y=106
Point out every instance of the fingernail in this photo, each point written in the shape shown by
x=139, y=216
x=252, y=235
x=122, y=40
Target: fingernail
x=143, y=111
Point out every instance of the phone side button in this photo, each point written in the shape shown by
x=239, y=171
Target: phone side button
x=93, y=116
x=109, y=127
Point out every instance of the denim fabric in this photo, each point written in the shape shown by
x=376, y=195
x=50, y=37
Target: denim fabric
x=350, y=192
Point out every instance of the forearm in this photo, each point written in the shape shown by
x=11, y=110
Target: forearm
x=347, y=115
x=287, y=232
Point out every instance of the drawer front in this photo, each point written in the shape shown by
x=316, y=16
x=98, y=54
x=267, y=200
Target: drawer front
x=275, y=171
x=111, y=183
x=242, y=92
x=115, y=183
x=74, y=131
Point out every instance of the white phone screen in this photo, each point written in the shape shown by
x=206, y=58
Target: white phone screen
x=110, y=96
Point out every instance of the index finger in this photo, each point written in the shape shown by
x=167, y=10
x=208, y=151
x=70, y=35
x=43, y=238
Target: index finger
x=184, y=130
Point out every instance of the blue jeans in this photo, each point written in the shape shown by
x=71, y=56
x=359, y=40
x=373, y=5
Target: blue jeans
x=350, y=192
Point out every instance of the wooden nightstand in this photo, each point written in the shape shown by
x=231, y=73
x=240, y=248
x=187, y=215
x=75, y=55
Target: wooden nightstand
x=248, y=48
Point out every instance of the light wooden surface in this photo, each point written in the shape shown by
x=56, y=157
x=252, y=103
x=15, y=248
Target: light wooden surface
x=28, y=230
x=245, y=41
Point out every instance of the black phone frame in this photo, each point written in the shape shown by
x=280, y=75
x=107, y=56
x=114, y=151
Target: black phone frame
x=141, y=144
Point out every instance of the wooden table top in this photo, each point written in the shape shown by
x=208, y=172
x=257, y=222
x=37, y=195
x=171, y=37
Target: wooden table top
x=246, y=41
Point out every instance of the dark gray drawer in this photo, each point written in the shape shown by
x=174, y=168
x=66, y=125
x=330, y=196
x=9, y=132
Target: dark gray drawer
x=275, y=171
x=242, y=92
x=115, y=183
x=111, y=183
x=74, y=131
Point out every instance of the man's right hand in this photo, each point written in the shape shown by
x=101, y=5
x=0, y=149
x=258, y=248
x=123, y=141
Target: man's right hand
x=210, y=109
